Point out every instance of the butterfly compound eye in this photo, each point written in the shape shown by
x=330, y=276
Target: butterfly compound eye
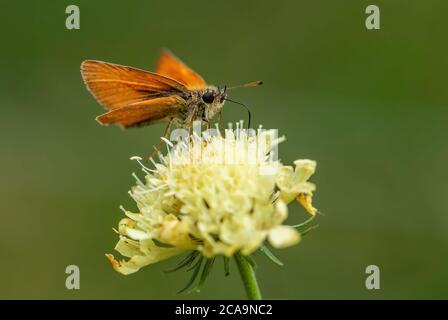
x=208, y=97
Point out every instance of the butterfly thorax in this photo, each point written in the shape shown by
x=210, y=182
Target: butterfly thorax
x=201, y=104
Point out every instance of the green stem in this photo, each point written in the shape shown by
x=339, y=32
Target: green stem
x=248, y=276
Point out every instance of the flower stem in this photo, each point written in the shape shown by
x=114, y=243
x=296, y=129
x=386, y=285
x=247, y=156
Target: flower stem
x=248, y=276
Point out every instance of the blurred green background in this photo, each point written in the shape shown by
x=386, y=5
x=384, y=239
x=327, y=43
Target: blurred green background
x=369, y=106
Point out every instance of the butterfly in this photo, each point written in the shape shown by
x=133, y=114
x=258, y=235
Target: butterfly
x=174, y=93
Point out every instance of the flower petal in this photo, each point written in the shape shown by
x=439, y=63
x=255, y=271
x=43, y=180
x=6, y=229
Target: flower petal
x=283, y=236
x=306, y=201
x=139, y=256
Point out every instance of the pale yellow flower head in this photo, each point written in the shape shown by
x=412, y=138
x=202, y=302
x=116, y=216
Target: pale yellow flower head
x=217, y=195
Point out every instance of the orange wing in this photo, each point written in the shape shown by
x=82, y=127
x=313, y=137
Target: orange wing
x=171, y=66
x=143, y=112
x=116, y=86
x=133, y=96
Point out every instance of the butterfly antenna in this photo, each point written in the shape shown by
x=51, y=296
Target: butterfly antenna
x=249, y=84
x=246, y=107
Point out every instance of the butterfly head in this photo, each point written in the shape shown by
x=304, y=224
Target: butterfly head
x=214, y=96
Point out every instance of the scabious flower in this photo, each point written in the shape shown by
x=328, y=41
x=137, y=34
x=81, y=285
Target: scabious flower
x=213, y=195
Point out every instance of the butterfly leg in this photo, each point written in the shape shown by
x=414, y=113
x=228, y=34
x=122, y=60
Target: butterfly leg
x=192, y=117
x=166, y=133
x=205, y=118
x=167, y=129
x=207, y=123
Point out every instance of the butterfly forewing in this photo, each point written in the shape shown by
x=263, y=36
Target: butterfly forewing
x=116, y=86
x=172, y=67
